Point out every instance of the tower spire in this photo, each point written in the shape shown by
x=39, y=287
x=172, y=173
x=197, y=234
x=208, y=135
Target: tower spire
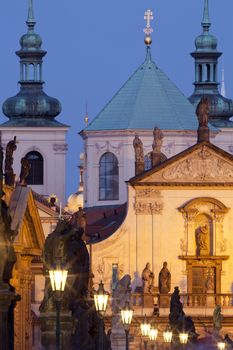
x=30, y=20
x=206, y=23
x=223, y=87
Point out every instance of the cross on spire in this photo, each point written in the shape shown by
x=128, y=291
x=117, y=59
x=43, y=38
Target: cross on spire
x=148, y=17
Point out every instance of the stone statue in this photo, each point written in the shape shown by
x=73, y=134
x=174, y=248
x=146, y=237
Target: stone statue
x=9, y=172
x=164, y=280
x=147, y=279
x=121, y=294
x=138, y=149
x=25, y=170
x=217, y=319
x=202, y=239
x=176, y=307
x=139, y=155
x=158, y=140
x=202, y=112
x=178, y=321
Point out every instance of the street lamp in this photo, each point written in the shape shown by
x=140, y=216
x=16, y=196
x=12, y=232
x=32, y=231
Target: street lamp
x=183, y=338
x=101, y=302
x=126, y=316
x=167, y=336
x=58, y=278
x=101, y=299
x=145, y=330
x=153, y=335
x=221, y=345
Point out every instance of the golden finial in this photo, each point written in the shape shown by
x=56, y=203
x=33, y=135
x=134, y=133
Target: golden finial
x=148, y=17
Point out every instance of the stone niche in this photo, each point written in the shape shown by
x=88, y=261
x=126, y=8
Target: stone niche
x=203, y=231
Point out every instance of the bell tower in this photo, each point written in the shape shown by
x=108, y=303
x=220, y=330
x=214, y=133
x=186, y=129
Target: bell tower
x=31, y=113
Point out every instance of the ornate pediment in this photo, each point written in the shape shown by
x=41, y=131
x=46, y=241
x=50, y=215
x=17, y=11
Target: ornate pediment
x=202, y=165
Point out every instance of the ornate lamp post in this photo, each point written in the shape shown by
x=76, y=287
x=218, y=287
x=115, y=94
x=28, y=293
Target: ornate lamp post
x=101, y=302
x=58, y=281
x=145, y=330
x=183, y=338
x=221, y=345
x=153, y=336
x=126, y=316
x=167, y=336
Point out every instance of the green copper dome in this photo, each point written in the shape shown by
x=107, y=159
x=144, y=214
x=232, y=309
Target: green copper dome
x=206, y=43
x=31, y=103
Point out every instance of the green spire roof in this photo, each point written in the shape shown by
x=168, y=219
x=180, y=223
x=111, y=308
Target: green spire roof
x=206, y=23
x=146, y=100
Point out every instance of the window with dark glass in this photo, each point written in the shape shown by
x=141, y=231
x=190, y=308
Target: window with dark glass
x=108, y=177
x=36, y=175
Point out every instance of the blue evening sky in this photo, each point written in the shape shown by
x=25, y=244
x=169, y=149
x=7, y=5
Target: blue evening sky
x=95, y=45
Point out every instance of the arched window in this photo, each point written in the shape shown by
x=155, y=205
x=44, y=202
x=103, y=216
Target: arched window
x=148, y=161
x=36, y=175
x=108, y=177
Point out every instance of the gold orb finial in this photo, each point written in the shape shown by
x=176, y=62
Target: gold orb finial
x=148, y=40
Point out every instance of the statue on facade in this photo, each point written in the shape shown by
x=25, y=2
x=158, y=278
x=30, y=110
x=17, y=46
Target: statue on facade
x=139, y=155
x=202, y=233
x=147, y=279
x=217, y=320
x=9, y=172
x=25, y=170
x=164, y=280
x=157, y=156
x=158, y=140
x=202, y=111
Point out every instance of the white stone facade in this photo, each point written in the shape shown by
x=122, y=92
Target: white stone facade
x=51, y=144
x=120, y=143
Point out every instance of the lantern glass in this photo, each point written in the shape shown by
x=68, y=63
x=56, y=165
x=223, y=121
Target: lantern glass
x=167, y=335
x=101, y=299
x=145, y=328
x=126, y=315
x=58, y=279
x=153, y=334
x=221, y=345
x=183, y=338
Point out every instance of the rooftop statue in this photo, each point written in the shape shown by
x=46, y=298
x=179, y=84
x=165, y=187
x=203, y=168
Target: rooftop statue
x=9, y=172
x=203, y=112
x=25, y=170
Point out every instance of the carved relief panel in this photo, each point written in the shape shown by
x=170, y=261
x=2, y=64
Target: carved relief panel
x=148, y=201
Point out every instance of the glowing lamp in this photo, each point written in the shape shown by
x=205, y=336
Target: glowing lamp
x=58, y=279
x=145, y=327
x=167, y=336
x=153, y=334
x=183, y=337
x=126, y=315
x=101, y=299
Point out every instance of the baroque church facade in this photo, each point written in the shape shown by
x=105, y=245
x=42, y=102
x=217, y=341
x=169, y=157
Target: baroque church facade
x=156, y=191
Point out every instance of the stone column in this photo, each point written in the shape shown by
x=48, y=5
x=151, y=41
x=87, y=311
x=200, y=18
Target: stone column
x=21, y=281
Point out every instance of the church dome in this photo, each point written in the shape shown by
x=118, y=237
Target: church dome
x=31, y=102
x=206, y=42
